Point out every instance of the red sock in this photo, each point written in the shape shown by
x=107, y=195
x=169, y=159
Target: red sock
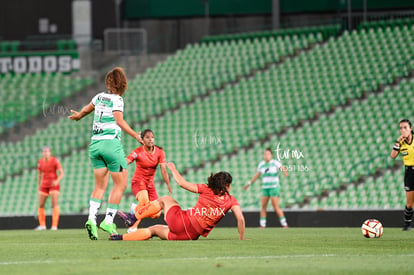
x=156, y=215
x=142, y=197
x=147, y=210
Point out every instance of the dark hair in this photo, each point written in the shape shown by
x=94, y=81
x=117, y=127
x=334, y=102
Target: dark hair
x=219, y=182
x=146, y=131
x=409, y=123
x=116, y=80
x=406, y=120
x=269, y=149
x=143, y=133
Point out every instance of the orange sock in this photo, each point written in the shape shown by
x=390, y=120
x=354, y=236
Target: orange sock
x=41, y=213
x=139, y=235
x=142, y=197
x=148, y=210
x=55, y=216
x=156, y=215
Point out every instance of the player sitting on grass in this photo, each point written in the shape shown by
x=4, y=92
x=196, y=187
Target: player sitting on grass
x=213, y=203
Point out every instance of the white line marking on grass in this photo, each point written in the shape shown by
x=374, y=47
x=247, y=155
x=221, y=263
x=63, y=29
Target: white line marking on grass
x=274, y=257
x=202, y=258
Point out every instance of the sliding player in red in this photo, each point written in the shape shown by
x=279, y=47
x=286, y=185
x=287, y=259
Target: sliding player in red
x=213, y=203
x=147, y=158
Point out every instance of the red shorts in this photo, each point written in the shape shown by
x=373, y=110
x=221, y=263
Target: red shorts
x=179, y=225
x=45, y=190
x=140, y=186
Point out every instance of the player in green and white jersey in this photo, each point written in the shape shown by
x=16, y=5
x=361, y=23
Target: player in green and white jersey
x=269, y=170
x=105, y=151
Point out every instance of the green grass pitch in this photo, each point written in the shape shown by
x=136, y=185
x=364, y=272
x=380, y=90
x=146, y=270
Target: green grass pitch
x=268, y=251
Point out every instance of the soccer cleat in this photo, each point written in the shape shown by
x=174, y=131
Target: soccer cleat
x=407, y=227
x=92, y=230
x=128, y=218
x=115, y=237
x=110, y=228
x=53, y=228
x=40, y=228
x=285, y=226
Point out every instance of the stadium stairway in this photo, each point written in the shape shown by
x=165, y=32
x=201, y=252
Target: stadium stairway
x=49, y=114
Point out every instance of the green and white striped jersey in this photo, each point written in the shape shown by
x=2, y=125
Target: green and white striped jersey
x=104, y=124
x=269, y=171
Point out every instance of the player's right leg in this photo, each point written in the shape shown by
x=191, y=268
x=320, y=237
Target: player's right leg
x=264, y=201
x=154, y=207
x=144, y=234
x=141, y=194
x=41, y=213
x=101, y=182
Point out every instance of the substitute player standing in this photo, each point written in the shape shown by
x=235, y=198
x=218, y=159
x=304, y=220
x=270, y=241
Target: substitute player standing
x=48, y=180
x=213, y=203
x=147, y=158
x=269, y=170
x=404, y=145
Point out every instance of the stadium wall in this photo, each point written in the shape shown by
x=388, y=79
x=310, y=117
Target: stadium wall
x=389, y=218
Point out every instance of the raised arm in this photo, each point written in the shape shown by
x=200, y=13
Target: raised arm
x=241, y=225
x=119, y=118
x=180, y=180
x=84, y=112
x=165, y=176
x=255, y=177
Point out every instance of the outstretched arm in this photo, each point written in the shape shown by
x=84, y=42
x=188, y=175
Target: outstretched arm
x=241, y=225
x=180, y=180
x=165, y=176
x=119, y=118
x=285, y=171
x=84, y=112
x=255, y=177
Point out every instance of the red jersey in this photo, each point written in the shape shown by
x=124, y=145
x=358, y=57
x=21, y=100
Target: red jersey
x=146, y=164
x=49, y=170
x=209, y=209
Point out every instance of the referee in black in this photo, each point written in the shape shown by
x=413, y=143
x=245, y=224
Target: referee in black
x=404, y=145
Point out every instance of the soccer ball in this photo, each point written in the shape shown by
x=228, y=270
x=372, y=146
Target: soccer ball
x=372, y=228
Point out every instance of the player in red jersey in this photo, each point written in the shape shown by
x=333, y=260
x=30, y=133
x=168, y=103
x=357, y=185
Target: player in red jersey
x=147, y=158
x=213, y=203
x=48, y=184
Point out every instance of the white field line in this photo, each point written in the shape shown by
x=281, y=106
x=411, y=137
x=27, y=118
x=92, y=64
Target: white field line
x=200, y=258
